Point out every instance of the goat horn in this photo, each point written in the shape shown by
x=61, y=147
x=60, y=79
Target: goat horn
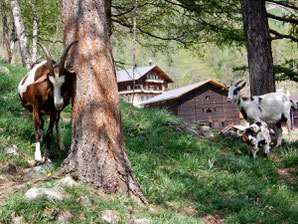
x=49, y=58
x=237, y=83
x=240, y=87
x=63, y=57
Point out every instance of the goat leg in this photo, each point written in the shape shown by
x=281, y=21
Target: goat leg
x=38, y=136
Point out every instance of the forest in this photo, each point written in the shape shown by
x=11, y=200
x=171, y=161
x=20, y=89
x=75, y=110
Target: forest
x=173, y=35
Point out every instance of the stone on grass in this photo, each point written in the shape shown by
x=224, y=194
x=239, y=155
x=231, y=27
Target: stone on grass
x=86, y=201
x=38, y=171
x=67, y=181
x=64, y=217
x=17, y=219
x=109, y=216
x=200, y=132
x=140, y=221
x=12, y=150
x=10, y=169
x=55, y=194
x=4, y=70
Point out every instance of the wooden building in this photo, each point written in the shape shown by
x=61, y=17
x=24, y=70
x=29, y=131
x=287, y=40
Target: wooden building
x=204, y=102
x=294, y=113
x=149, y=82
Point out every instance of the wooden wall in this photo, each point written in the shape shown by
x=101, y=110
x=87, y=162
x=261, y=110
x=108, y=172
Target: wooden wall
x=207, y=105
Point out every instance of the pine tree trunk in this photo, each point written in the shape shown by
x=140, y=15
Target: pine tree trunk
x=23, y=40
x=258, y=44
x=5, y=33
x=97, y=153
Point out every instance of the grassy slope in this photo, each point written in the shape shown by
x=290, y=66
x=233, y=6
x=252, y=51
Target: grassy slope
x=182, y=178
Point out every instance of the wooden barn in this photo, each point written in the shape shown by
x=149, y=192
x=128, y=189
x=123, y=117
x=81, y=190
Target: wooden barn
x=204, y=102
x=294, y=113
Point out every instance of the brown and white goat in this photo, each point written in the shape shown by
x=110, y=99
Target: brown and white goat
x=46, y=90
x=273, y=108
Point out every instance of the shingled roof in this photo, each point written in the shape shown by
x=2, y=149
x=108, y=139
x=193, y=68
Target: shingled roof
x=176, y=93
x=127, y=75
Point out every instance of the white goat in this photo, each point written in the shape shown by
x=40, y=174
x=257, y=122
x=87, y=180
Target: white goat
x=272, y=108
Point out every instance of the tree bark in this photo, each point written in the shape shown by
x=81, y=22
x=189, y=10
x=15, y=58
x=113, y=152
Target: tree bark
x=98, y=154
x=13, y=39
x=34, y=32
x=258, y=44
x=5, y=33
x=23, y=40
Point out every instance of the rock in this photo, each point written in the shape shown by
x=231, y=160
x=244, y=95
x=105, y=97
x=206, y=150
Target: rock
x=201, y=132
x=10, y=169
x=67, y=181
x=205, y=132
x=140, y=221
x=64, y=217
x=55, y=194
x=17, y=219
x=12, y=150
x=86, y=201
x=4, y=70
x=109, y=216
x=38, y=171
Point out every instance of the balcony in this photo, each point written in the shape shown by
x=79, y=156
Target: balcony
x=141, y=91
x=154, y=80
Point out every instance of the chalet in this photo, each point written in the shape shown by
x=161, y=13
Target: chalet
x=149, y=82
x=203, y=102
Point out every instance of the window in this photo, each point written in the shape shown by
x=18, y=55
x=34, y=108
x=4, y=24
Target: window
x=207, y=98
x=128, y=87
x=142, y=98
x=157, y=87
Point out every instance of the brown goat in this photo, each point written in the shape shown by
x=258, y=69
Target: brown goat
x=46, y=90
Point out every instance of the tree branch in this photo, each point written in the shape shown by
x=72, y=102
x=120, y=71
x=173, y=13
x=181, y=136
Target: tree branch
x=282, y=36
x=285, y=4
x=287, y=19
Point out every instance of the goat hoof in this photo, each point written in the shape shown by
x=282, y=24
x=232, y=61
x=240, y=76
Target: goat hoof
x=48, y=160
x=39, y=162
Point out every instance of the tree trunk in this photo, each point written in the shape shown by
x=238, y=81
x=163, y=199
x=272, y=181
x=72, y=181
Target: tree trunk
x=13, y=39
x=258, y=44
x=5, y=33
x=97, y=153
x=23, y=40
x=34, y=32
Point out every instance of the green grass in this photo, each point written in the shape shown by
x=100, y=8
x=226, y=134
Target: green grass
x=182, y=178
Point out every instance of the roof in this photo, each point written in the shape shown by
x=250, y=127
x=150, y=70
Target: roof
x=176, y=93
x=127, y=75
